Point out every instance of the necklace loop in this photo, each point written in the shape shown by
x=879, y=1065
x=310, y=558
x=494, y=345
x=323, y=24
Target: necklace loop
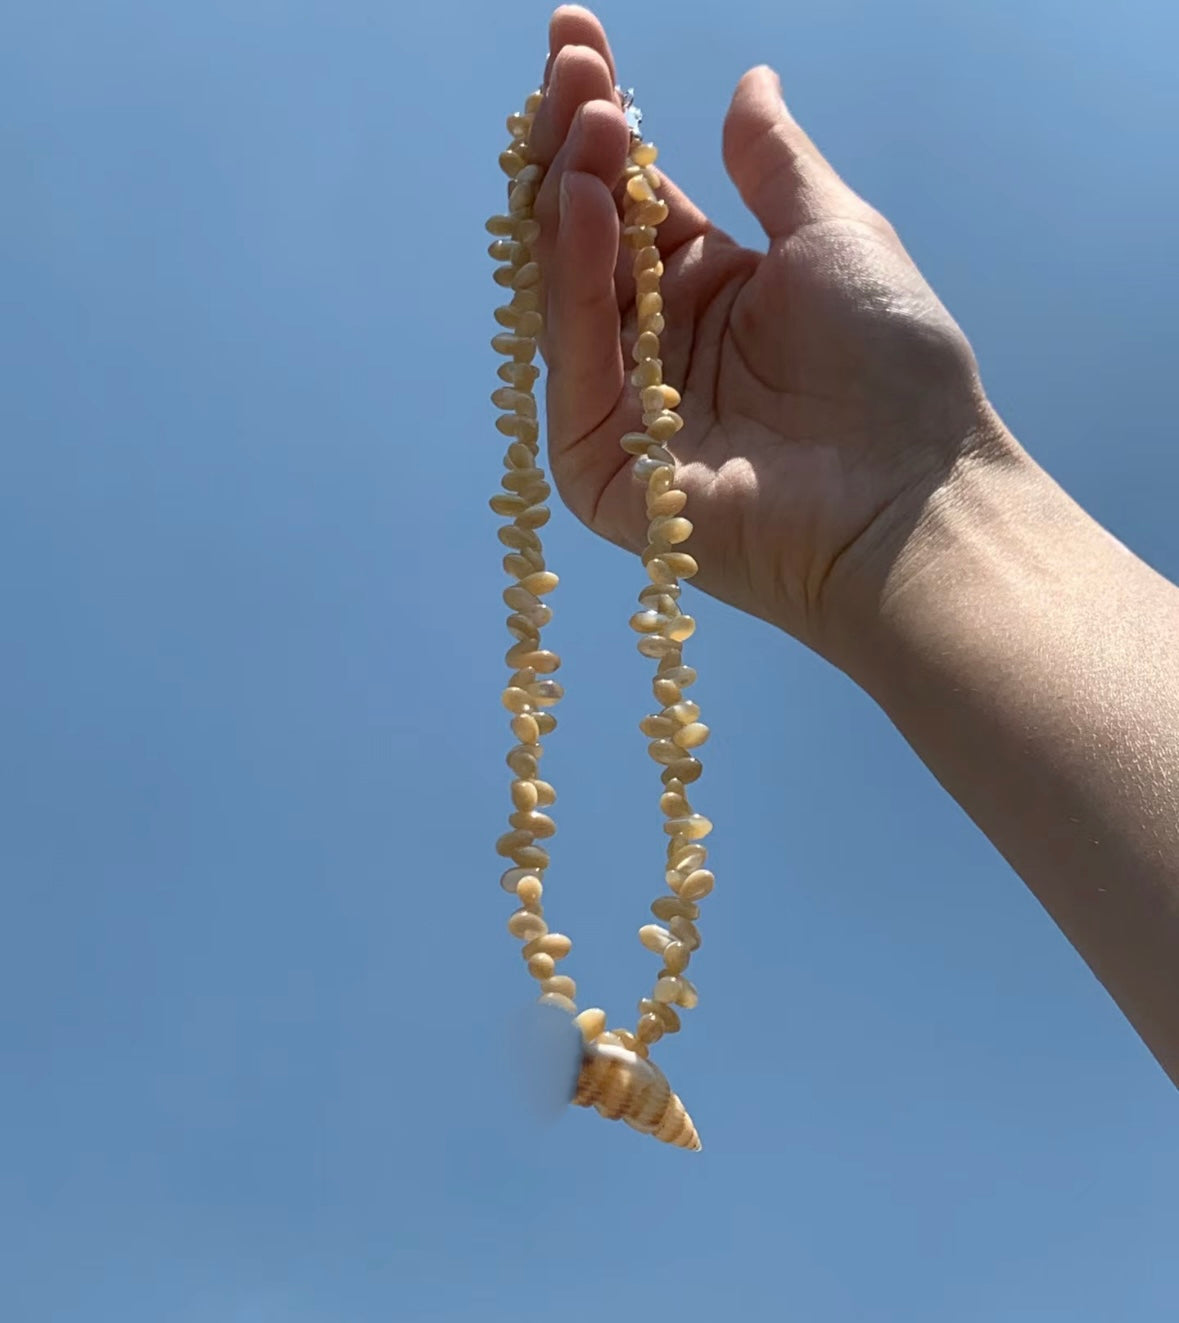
x=617, y=1076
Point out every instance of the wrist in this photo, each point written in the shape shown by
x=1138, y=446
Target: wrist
x=927, y=569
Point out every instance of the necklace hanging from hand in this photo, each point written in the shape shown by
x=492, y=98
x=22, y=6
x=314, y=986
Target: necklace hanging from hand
x=617, y=1075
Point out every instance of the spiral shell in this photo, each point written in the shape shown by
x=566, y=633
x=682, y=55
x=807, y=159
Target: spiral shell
x=624, y=1086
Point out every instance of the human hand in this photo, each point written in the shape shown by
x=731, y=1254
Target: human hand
x=828, y=397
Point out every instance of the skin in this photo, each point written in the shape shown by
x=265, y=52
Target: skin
x=851, y=484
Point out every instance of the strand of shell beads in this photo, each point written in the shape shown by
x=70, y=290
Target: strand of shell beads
x=617, y=1076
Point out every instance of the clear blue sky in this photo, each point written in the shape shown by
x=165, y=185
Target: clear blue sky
x=255, y=988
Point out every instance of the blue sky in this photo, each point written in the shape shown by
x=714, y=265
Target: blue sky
x=256, y=994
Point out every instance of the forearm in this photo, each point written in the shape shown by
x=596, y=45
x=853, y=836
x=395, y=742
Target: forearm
x=1033, y=664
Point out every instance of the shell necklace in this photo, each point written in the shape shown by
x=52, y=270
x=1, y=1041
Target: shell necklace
x=617, y=1075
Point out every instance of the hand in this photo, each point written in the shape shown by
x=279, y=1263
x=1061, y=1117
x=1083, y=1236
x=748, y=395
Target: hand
x=827, y=394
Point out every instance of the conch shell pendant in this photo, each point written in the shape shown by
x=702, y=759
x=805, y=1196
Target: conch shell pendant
x=624, y=1086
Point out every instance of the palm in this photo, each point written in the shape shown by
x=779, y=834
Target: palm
x=826, y=392
x=811, y=404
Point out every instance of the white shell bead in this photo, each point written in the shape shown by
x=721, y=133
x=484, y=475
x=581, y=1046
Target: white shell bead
x=673, y=804
x=670, y=907
x=657, y=397
x=676, y=956
x=529, y=890
x=526, y=276
x=667, y=503
x=637, y=234
x=666, y=691
x=526, y=730
x=511, y=841
x=680, y=563
x=682, y=675
x=684, y=930
x=663, y=1011
x=635, y=443
x=665, y=752
x=541, y=966
x=657, y=727
x=646, y=346
x=556, y=945
x=526, y=925
x=561, y=984
x=592, y=1023
x=673, y=530
x=543, y=581
x=692, y=735
x=654, y=938
x=694, y=827
x=647, y=468
x=648, y=305
x=697, y=885
x=657, y=646
x=652, y=213
x=687, y=857
x=649, y=1029
x=533, y=856
x=688, y=769
x=511, y=880
x=517, y=565
x=534, y=822
x=647, y=622
x=545, y=692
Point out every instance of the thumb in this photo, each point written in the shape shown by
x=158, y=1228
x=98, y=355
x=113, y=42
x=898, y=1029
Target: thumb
x=781, y=175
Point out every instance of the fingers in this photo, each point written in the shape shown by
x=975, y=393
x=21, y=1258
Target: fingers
x=582, y=332
x=581, y=69
x=580, y=75
x=572, y=25
x=781, y=175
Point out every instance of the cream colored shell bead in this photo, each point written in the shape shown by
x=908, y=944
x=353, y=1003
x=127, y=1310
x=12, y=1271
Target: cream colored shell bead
x=675, y=732
x=530, y=690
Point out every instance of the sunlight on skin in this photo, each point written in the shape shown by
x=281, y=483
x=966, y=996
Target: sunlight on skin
x=848, y=481
x=840, y=412
x=881, y=512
